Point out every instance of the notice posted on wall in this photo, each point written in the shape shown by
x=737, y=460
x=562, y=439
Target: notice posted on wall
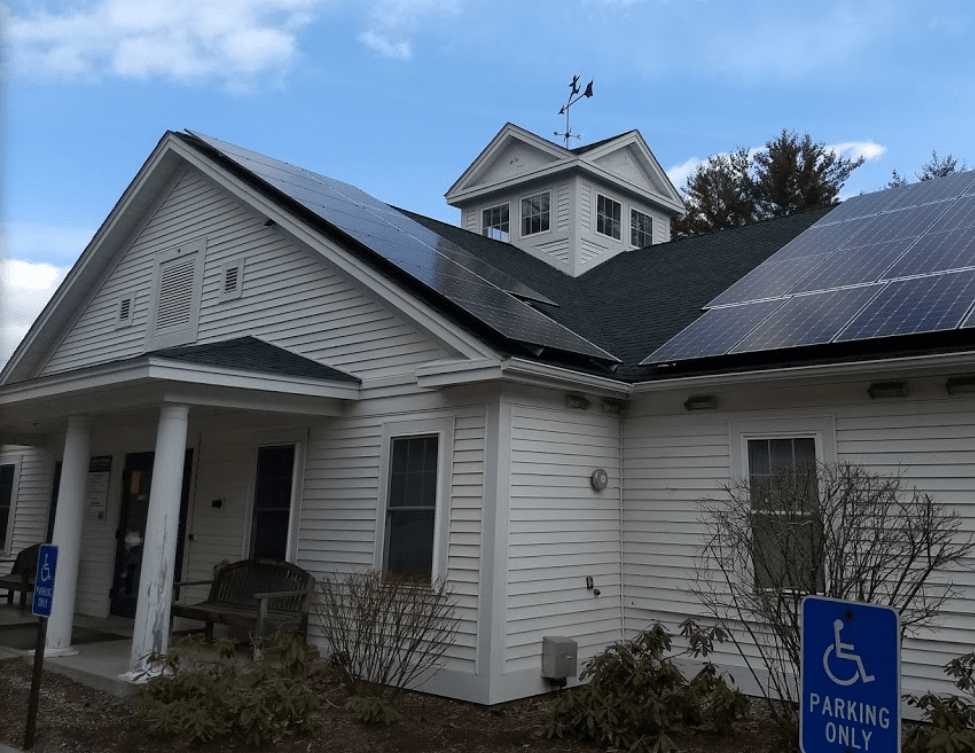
x=99, y=477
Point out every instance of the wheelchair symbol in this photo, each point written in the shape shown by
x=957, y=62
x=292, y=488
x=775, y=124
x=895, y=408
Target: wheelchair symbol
x=45, y=571
x=844, y=651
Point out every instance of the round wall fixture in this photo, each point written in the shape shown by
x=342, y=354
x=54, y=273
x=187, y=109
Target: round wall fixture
x=599, y=479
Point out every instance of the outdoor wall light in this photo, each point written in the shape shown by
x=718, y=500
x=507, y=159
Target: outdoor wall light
x=881, y=390
x=701, y=402
x=960, y=385
x=577, y=402
x=599, y=480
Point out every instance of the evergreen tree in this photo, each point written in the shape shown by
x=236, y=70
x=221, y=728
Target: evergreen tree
x=939, y=167
x=790, y=173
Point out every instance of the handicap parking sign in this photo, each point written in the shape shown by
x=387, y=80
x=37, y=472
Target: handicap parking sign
x=850, y=677
x=47, y=564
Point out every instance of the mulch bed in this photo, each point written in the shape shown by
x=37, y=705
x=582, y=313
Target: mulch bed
x=76, y=718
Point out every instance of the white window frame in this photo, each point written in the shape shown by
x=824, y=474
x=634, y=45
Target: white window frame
x=595, y=215
x=521, y=216
x=635, y=211
x=507, y=205
x=187, y=333
x=444, y=429
x=821, y=429
x=298, y=438
x=6, y=545
x=233, y=295
x=125, y=323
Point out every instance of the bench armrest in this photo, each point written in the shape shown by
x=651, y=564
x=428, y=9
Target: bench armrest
x=178, y=584
x=262, y=605
x=271, y=595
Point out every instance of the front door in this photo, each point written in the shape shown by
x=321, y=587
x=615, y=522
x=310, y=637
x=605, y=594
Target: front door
x=131, y=532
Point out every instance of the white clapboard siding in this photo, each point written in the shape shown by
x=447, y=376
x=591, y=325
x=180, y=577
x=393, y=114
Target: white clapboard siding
x=290, y=295
x=30, y=498
x=673, y=462
x=341, y=494
x=561, y=531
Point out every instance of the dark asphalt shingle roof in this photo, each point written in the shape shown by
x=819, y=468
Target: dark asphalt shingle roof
x=637, y=300
x=251, y=354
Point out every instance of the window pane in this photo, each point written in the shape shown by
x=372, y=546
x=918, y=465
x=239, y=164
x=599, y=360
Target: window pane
x=784, y=553
x=608, y=216
x=535, y=214
x=641, y=229
x=271, y=534
x=805, y=451
x=781, y=454
x=6, y=499
x=758, y=462
x=409, y=550
x=413, y=472
x=494, y=222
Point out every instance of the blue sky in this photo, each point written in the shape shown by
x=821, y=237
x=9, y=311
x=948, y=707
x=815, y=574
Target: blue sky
x=398, y=96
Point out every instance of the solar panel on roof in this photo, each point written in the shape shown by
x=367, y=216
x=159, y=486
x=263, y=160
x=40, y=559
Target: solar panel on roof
x=922, y=304
x=860, y=265
x=808, y=319
x=715, y=333
x=938, y=252
x=824, y=274
x=480, y=289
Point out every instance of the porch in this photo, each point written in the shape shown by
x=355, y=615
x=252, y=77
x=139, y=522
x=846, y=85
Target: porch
x=156, y=479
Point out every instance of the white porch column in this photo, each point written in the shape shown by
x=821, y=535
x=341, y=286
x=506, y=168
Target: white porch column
x=151, y=629
x=68, y=521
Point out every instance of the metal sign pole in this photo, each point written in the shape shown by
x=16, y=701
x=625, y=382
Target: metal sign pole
x=35, y=683
x=43, y=599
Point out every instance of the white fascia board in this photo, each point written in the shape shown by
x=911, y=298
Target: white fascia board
x=880, y=367
x=518, y=371
x=508, y=131
x=555, y=169
x=417, y=311
x=161, y=369
x=92, y=250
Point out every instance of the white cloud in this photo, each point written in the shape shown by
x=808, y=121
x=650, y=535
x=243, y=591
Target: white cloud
x=392, y=24
x=25, y=288
x=869, y=150
x=232, y=41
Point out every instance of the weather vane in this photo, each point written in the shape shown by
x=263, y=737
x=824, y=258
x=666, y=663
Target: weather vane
x=575, y=94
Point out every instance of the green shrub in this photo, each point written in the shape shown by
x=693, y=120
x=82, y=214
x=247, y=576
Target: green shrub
x=636, y=698
x=950, y=719
x=207, y=692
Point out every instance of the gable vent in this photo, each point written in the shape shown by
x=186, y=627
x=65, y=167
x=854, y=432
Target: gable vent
x=125, y=309
x=176, y=283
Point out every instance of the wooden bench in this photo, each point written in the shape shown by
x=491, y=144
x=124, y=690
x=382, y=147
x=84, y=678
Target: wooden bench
x=21, y=576
x=261, y=596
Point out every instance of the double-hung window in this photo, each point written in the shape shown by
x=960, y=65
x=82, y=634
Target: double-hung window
x=494, y=222
x=411, y=507
x=641, y=229
x=535, y=213
x=786, y=535
x=608, y=214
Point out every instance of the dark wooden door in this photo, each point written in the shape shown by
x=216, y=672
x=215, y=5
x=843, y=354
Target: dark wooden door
x=131, y=533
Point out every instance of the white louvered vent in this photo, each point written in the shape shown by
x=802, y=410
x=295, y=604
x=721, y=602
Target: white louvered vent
x=175, y=306
x=231, y=278
x=176, y=283
x=125, y=311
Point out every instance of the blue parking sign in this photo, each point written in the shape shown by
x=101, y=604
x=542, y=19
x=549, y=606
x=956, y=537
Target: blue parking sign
x=850, y=677
x=47, y=565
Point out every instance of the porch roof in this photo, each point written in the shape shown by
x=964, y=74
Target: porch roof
x=244, y=373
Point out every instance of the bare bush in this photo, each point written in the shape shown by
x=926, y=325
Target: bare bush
x=386, y=633
x=830, y=529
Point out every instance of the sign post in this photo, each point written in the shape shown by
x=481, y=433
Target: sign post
x=850, y=677
x=47, y=563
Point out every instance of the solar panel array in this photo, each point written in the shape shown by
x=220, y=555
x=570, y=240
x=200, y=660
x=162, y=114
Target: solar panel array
x=895, y=262
x=483, y=291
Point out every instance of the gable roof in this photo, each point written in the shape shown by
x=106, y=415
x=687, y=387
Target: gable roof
x=583, y=158
x=638, y=299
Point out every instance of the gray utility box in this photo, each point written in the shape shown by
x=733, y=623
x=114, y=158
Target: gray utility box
x=559, y=657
